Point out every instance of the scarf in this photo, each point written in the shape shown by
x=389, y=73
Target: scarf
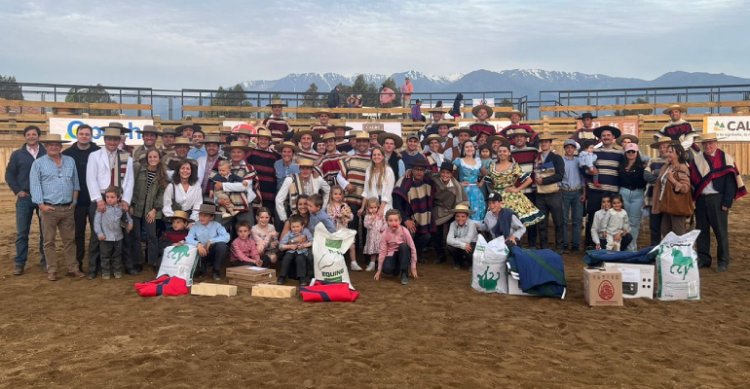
x=705, y=168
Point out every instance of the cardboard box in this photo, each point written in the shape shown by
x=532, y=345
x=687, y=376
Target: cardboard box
x=207, y=289
x=637, y=280
x=274, y=291
x=602, y=287
x=249, y=276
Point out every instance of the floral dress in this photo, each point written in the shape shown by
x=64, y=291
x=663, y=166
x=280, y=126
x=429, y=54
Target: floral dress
x=341, y=215
x=470, y=174
x=517, y=202
x=374, y=226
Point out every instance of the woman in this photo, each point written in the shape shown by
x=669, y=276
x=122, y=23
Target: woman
x=148, y=196
x=504, y=175
x=467, y=172
x=632, y=173
x=301, y=211
x=379, y=182
x=184, y=192
x=672, y=192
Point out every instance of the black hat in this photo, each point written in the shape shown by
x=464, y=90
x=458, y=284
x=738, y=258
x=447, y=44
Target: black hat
x=446, y=165
x=420, y=162
x=587, y=115
x=615, y=131
x=494, y=196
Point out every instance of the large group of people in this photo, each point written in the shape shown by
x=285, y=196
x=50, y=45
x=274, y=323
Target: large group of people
x=254, y=194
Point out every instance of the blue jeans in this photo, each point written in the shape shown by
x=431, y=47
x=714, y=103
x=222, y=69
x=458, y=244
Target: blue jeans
x=572, y=211
x=633, y=205
x=25, y=209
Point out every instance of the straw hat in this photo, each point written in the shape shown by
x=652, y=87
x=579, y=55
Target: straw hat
x=387, y=135
x=323, y=111
x=462, y=208
x=281, y=146
x=276, y=103
x=632, y=138
x=545, y=136
x=181, y=141
x=263, y=132
x=456, y=131
x=169, y=131
x=708, y=138
x=511, y=112
x=661, y=140
x=515, y=129
x=208, y=209
x=149, y=129
x=118, y=126
x=306, y=131
x=212, y=138
x=615, y=131
x=225, y=130
x=244, y=129
x=327, y=136
x=669, y=109
x=475, y=110
x=373, y=128
x=181, y=215
x=503, y=140
x=361, y=135
x=306, y=162
x=52, y=138
x=426, y=141
x=237, y=145
x=190, y=125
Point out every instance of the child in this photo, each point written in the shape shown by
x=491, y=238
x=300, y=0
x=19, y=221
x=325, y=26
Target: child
x=485, y=155
x=501, y=221
x=397, y=252
x=599, y=225
x=108, y=227
x=587, y=158
x=618, y=226
x=225, y=175
x=175, y=235
x=462, y=236
x=265, y=236
x=210, y=238
x=319, y=215
x=296, y=244
x=374, y=226
x=244, y=250
x=342, y=215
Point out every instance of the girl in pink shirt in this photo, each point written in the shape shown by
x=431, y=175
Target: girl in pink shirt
x=397, y=252
x=244, y=251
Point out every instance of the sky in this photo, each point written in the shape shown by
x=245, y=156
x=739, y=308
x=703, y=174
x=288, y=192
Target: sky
x=205, y=44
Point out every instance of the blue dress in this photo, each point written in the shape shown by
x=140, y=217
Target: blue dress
x=471, y=175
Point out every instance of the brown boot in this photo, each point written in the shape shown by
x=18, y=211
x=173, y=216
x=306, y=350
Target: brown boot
x=76, y=273
x=52, y=276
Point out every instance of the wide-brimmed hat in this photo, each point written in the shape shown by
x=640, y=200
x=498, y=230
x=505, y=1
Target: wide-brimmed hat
x=615, y=131
x=263, y=132
x=168, y=131
x=180, y=215
x=276, y=102
x=447, y=123
x=306, y=131
x=476, y=108
x=52, y=138
x=190, y=125
x=244, y=129
x=149, y=129
x=462, y=208
x=181, y=141
x=225, y=130
x=447, y=165
x=456, y=131
x=631, y=147
x=209, y=209
x=118, y=126
x=281, y=146
x=708, y=138
x=632, y=138
x=361, y=135
x=514, y=129
x=327, y=135
x=212, y=138
x=420, y=163
x=387, y=135
x=545, y=136
x=373, y=128
x=237, y=145
x=426, y=141
x=672, y=107
x=587, y=115
x=571, y=142
x=512, y=111
x=306, y=162
x=323, y=111
x=661, y=140
x=341, y=126
x=111, y=132
x=503, y=140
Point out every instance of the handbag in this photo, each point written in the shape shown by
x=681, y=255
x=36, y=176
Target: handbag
x=678, y=204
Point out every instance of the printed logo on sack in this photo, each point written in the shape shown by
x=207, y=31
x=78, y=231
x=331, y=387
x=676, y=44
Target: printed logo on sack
x=328, y=261
x=682, y=263
x=606, y=290
x=334, y=244
x=488, y=280
x=179, y=252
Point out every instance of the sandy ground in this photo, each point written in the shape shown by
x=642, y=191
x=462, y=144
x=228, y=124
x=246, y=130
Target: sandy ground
x=436, y=332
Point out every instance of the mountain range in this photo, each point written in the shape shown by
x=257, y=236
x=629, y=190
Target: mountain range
x=522, y=82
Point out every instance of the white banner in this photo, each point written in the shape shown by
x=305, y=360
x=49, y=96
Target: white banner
x=67, y=128
x=728, y=128
x=487, y=101
x=392, y=127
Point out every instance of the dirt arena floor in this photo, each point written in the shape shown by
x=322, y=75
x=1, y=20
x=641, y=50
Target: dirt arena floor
x=436, y=332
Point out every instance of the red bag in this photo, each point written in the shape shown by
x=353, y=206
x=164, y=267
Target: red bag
x=323, y=291
x=162, y=286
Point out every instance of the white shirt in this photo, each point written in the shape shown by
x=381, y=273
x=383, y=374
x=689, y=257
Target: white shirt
x=98, y=176
x=459, y=236
x=33, y=151
x=386, y=192
x=190, y=201
x=318, y=183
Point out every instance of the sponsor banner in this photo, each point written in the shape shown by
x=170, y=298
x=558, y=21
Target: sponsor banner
x=628, y=125
x=488, y=101
x=728, y=128
x=67, y=127
x=392, y=127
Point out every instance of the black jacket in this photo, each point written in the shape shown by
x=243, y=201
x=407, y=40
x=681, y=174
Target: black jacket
x=559, y=165
x=82, y=158
x=19, y=168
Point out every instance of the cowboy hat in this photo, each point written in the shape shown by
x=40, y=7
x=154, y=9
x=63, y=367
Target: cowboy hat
x=515, y=129
x=361, y=135
x=169, y=131
x=426, y=141
x=661, y=140
x=149, y=129
x=503, y=141
x=306, y=162
x=467, y=130
x=447, y=165
x=123, y=130
x=341, y=126
x=263, y=132
x=208, y=209
x=276, y=103
x=178, y=214
x=475, y=109
x=225, y=130
x=387, y=135
x=512, y=111
x=192, y=126
x=632, y=138
x=52, y=138
x=586, y=115
x=420, y=163
x=447, y=123
x=237, y=145
x=179, y=141
x=327, y=135
x=462, y=208
x=545, y=136
x=708, y=138
x=373, y=128
x=243, y=129
x=306, y=131
x=212, y=138
x=614, y=130
x=671, y=108
x=323, y=111
x=281, y=146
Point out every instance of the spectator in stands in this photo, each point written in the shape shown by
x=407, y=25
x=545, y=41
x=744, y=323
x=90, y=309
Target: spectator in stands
x=678, y=128
x=406, y=90
x=333, y=97
x=587, y=131
x=455, y=111
x=432, y=128
x=416, y=112
x=279, y=126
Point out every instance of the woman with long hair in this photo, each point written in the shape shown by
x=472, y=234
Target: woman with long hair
x=379, y=182
x=672, y=192
x=632, y=189
x=184, y=192
x=148, y=196
x=509, y=180
x=468, y=170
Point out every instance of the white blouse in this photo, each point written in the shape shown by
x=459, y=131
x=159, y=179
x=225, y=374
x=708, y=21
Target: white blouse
x=386, y=192
x=190, y=201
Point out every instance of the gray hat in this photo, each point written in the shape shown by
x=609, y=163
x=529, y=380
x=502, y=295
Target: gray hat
x=571, y=142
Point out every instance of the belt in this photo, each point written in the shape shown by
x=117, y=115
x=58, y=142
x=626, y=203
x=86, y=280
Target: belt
x=571, y=190
x=58, y=205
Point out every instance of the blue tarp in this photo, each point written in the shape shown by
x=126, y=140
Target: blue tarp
x=597, y=257
x=540, y=272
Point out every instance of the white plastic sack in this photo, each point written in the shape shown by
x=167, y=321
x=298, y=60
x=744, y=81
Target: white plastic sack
x=328, y=254
x=179, y=261
x=488, y=273
x=677, y=267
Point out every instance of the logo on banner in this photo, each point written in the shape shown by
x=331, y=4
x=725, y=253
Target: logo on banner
x=98, y=131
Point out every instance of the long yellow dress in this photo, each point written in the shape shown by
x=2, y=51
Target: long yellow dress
x=517, y=202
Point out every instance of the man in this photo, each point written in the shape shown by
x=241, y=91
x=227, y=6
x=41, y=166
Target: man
x=241, y=194
x=373, y=130
x=209, y=163
x=387, y=96
x=391, y=142
x=482, y=113
x=304, y=140
x=416, y=112
x=186, y=130
x=280, y=128
x=285, y=166
x=436, y=114
x=244, y=132
x=263, y=157
x=716, y=184
x=448, y=193
x=17, y=177
x=109, y=167
x=549, y=170
x=297, y=184
x=654, y=166
x=54, y=189
x=334, y=100
x=414, y=197
x=329, y=163
x=149, y=134
x=181, y=147
x=573, y=197
x=587, y=131
x=607, y=166
x=406, y=90
x=80, y=152
x=168, y=136
x=323, y=125
x=351, y=177
x=197, y=150
x=460, y=135
x=413, y=150
x=525, y=156
x=678, y=129
x=342, y=140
